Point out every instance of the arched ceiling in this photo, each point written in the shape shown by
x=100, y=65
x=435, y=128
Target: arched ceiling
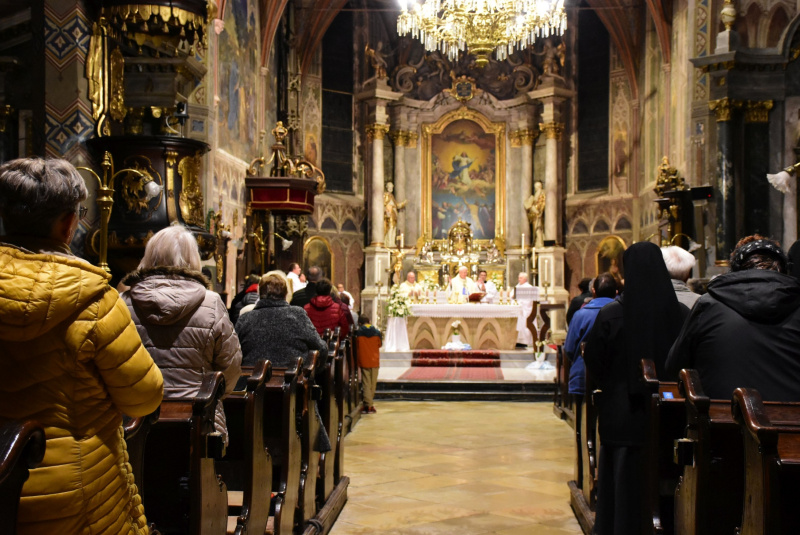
x=622, y=19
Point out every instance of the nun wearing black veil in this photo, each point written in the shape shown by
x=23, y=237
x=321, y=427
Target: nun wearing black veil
x=642, y=323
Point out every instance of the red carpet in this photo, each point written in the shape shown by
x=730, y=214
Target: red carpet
x=460, y=359
x=441, y=373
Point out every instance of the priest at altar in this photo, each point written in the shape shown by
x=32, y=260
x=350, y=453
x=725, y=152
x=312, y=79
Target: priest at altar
x=461, y=287
x=410, y=287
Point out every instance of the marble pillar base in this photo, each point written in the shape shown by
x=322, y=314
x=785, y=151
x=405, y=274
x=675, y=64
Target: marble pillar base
x=377, y=261
x=551, y=283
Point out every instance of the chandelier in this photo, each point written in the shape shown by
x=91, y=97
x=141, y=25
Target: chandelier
x=480, y=26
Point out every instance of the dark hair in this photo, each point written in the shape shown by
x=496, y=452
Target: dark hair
x=324, y=287
x=35, y=193
x=251, y=279
x=482, y=271
x=759, y=252
x=605, y=285
x=293, y=265
x=314, y=273
x=583, y=286
x=273, y=286
x=343, y=297
x=363, y=320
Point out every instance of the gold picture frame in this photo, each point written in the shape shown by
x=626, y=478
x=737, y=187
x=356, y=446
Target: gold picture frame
x=317, y=251
x=609, y=256
x=429, y=133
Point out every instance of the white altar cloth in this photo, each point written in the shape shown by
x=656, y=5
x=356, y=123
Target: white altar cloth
x=396, y=335
x=468, y=310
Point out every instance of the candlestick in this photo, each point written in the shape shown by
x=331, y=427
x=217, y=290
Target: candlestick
x=402, y=240
x=546, y=272
x=523, y=243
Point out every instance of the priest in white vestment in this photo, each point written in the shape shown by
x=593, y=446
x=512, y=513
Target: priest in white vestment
x=524, y=335
x=487, y=287
x=460, y=287
x=410, y=287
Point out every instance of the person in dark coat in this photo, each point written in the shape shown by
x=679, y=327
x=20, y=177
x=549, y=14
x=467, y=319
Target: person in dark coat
x=604, y=290
x=279, y=332
x=579, y=300
x=745, y=332
x=642, y=323
x=276, y=331
x=248, y=296
x=303, y=297
x=325, y=313
x=794, y=260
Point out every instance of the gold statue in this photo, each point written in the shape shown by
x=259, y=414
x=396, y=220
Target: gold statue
x=378, y=60
x=390, y=211
x=534, y=206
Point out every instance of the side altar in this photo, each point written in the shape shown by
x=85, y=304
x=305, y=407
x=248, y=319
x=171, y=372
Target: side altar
x=482, y=326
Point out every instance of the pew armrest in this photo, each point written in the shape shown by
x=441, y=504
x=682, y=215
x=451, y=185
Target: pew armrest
x=20, y=442
x=692, y=390
x=748, y=410
x=261, y=374
x=649, y=375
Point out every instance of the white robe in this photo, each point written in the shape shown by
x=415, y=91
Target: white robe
x=295, y=279
x=460, y=290
x=407, y=288
x=491, y=292
x=524, y=335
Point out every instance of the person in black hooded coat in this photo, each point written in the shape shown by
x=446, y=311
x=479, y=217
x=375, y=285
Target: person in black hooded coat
x=745, y=332
x=641, y=324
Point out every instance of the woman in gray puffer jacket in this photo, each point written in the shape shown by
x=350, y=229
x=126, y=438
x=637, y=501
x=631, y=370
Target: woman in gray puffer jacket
x=183, y=325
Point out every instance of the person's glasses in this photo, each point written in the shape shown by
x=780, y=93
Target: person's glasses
x=82, y=211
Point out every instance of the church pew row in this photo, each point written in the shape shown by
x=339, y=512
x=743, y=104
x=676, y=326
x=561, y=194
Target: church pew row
x=354, y=396
x=330, y=419
x=772, y=464
x=22, y=445
x=563, y=404
x=180, y=487
x=246, y=467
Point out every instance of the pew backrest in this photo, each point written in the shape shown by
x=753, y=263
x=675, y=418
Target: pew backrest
x=22, y=446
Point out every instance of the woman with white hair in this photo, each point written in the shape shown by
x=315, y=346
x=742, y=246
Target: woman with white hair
x=71, y=359
x=679, y=264
x=183, y=325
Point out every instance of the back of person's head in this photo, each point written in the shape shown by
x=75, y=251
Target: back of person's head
x=273, y=286
x=363, y=320
x=35, y=193
x=250, y=280
x=605, y=285
x=173, y=246
x=759, y=252
x=344, y=298
x=679, y=262
x=314, y=274
x=583, y=286
x=794, y=260
x=324, y=287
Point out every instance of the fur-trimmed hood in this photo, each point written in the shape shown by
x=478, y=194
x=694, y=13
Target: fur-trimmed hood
x=165, y=295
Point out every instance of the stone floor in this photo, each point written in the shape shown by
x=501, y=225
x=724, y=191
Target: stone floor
x=436, y=468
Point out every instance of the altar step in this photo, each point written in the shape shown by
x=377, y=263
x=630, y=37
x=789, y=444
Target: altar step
x=465, y=390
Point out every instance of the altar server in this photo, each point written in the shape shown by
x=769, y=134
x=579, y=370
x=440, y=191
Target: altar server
x=524, y=335
x=487, y=287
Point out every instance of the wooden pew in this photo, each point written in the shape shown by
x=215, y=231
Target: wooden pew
x=283, y=443
x=771, y=441
x=666, y=416
x=330, y=419
x=180, y=488
x=354, y=397
x=22, y=445
x=583, y=489
x=563, y=405
x=709, y=494
x=307, y=394
x=246, y=467
x=341, y=388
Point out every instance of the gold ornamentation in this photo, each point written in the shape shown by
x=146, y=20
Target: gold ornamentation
x=376, y=131
x=552, y=130
x=668, y=179
x=499, y=132
x=723, y=108
x=97, y=74
x=463, y=88
x=757, y=111
x=283, y=165
x=134, y=121
x=404, y=138
x=116, y=104
x=138, y=191
x=170, y=157
x=523, y=136
x=6, y=113
x=727, y=15
x=411, y=141
x=377, y=60
x=191, y=199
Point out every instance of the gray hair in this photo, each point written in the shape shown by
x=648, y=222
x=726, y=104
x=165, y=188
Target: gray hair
x=679, y=262
x=35, y=193
x=173, y=246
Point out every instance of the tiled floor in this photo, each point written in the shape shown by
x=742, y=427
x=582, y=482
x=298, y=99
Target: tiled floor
x=437, y=468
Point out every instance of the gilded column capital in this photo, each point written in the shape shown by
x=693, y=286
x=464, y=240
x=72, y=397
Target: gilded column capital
x=723, y=108
x=523, y=136
x=398, y=137
x=552, y=130
x=411, y=139
x=757, y=111
x=376, y=131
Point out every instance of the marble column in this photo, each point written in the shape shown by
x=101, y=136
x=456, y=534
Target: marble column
x=756, y=190
x=552, y=132
x=524, y=139
x=724, y=187
x=400, y=139
x=375, y=135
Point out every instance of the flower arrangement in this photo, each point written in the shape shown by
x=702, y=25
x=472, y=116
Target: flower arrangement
x=456, y=325
x=428, y=285
x=497, y=279
x=398, y=304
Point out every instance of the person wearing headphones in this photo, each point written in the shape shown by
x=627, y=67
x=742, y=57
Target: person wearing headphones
x=745, y=332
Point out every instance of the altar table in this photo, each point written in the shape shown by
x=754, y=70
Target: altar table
x=482, y=326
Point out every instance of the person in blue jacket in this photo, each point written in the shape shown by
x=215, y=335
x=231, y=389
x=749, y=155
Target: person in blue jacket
x=604, y=289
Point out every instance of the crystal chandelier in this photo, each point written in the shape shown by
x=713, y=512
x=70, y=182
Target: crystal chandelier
x=480, y=26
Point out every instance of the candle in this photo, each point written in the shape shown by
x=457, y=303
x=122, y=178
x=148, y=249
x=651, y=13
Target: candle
x=523, y=242
x=546, y=272
x=402, y=237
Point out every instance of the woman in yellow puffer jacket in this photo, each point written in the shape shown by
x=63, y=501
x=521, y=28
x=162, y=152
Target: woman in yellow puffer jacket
x=71, y=359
